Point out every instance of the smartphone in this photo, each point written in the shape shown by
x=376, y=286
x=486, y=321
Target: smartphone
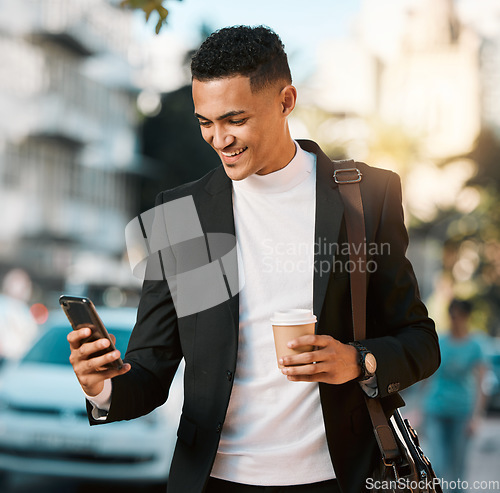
x=81, y=312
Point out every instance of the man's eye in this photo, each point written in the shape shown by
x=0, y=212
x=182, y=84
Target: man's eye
x=237, y=122
x=203, y=123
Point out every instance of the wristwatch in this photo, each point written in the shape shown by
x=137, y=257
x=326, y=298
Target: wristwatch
x=367, y=361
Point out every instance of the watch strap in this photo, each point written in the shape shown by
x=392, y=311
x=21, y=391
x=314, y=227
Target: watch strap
x=362, y=352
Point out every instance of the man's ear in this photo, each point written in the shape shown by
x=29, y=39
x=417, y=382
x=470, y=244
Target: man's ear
x=288, y=99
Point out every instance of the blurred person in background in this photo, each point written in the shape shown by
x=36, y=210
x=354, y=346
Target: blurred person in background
x=17, y=325
x=455, y=400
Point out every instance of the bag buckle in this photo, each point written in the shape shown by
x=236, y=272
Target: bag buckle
x=347, y=180
x=388, y=462
x=393, y=465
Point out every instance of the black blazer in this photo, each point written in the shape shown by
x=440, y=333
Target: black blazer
x=399, y=332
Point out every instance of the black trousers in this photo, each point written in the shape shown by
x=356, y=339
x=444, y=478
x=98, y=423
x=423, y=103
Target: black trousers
x=220, y=486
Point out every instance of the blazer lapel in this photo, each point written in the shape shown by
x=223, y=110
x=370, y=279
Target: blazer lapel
x=215, y=209
x=216, y=205
x=329, y=213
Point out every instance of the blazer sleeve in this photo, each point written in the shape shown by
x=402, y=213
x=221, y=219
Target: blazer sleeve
x=154, y=351
x=399, y=331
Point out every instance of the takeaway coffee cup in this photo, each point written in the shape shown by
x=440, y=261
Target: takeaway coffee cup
x=288, y=325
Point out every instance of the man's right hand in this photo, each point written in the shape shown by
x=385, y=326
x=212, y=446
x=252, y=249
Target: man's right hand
x=89, y=370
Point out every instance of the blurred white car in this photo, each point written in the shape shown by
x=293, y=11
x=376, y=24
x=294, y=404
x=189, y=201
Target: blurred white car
x=43, y=421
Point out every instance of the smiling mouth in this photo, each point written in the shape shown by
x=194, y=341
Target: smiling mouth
x=235, y=153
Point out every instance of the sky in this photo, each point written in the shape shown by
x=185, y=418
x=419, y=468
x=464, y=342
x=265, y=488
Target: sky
x=302, y=25
x=297, y=21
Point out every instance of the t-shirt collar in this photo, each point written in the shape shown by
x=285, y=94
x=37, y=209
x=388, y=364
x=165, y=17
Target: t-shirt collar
x=294, y=173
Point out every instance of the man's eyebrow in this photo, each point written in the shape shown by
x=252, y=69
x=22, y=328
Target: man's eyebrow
x=222, y=117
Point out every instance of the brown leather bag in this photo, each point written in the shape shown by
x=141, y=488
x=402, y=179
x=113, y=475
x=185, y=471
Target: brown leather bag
x=403, y=466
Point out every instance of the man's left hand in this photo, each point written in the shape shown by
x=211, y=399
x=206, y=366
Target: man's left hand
x=331, y=361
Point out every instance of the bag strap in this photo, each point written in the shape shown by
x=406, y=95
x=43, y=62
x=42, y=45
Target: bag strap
x=348, y=176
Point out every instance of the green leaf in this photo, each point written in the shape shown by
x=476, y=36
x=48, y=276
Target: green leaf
x=163, y=12
x=148, y=7
x=158, y=26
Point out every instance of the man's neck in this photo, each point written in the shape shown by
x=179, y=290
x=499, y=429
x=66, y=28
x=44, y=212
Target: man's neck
x=286, y=155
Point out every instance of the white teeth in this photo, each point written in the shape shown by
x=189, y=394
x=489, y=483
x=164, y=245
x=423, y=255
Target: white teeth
x=234, y=153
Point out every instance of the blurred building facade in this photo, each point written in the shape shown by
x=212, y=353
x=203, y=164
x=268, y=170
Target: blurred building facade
x=416, y=68
x=69, y=157
x=490, y=81
x=433, y=89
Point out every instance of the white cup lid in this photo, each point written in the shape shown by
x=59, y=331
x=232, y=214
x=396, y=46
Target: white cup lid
x=295, y=316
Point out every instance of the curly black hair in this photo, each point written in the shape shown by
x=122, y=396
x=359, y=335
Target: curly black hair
x=254, y=52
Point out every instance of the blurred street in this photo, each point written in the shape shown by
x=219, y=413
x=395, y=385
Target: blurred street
x=485, y=453
x=38, y=484
x=484, y=461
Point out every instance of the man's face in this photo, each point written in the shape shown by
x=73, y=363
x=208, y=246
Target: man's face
x=459, y=321
x=248, y=130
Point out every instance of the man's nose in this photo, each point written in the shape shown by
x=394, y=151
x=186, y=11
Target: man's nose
x=221, y=138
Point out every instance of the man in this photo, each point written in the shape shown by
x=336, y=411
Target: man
x=245, y=427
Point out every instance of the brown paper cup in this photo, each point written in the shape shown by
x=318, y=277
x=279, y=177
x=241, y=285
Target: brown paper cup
x=288, y=325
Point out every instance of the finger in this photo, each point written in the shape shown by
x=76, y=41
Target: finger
x=303, y=358
x=93, y=364
x=90, y=348
x=113, y=339
x=75, y=337
x=84, y=351
x=318, y=377
x=113, y=372
x=302, y=370
x=310, y=340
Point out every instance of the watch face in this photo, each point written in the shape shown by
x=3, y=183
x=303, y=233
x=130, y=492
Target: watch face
x=370, y=363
